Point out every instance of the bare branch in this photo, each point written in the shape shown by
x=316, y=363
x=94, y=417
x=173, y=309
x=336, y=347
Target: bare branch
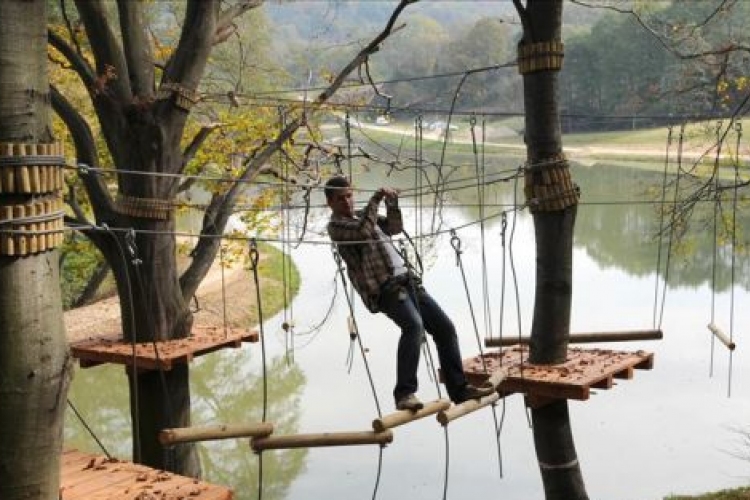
x=225, y=26
x=107, y=52
x=731, y=47
x=72, y=201
x=189, y=59
x=137, y=48
x=217, y=215
x=71, y=31
x=78, y=63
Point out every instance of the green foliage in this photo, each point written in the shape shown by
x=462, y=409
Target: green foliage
x=733, y=494
x=687, y=62
x=79, y=259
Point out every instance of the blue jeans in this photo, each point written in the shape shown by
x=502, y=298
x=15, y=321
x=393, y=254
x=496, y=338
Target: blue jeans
x=415, y=311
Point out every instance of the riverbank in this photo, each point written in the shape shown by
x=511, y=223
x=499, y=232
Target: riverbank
x=225, y=294
x=733, y=494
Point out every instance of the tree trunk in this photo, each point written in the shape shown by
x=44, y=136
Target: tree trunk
x=153, y=308
x=34, y=362
x=553, y=203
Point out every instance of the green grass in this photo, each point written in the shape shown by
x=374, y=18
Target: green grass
x=733, y=494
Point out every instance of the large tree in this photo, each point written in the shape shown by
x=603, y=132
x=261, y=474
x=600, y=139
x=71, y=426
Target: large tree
x=142, y=104
x=34, y=364
x=553, y=201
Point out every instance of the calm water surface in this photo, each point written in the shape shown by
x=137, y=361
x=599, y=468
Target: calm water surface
x=669, y=430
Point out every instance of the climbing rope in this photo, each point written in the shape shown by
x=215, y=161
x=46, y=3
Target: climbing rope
x=131, y=245
x=223, y=291
x=353, y=322
x=136, y=393
x=254, y=256
x=662, y=209
x=88, y=429
x=673, y=221
x=456, y=244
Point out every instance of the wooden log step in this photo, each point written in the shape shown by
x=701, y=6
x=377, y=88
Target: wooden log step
x=465, y=408
x=405, y=416
x=323, y=439
x=584, y=338
x=723, y=337
x=170, y=437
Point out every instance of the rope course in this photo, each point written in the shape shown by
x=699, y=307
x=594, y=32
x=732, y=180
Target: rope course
x=40, y=227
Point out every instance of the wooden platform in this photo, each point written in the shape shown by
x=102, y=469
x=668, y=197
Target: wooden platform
x=585, y=369
x=92, y=477
x=203, y=340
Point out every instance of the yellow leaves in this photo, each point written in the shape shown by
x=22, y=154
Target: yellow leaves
x=742, y=82
x=240, y=133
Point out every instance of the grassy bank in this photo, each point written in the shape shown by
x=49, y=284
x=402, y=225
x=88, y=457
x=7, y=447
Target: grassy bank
x=733, y=494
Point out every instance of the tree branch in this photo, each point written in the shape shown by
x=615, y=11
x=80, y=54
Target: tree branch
x=107, y=52
x=189, y=58
x=78, y=63
x=197, y=142
x=221, y=206
x=137, y=48
x=72, y=201
x=225, y=26
x=86, y=153
x=665, y=42
x=92, y=286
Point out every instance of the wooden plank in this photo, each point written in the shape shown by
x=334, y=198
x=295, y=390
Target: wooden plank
x=583, y=370
x=91, y=477
x=204, y=340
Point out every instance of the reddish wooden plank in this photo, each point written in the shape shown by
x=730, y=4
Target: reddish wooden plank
x=573, y=379
x=89, y=477
x=161, y=355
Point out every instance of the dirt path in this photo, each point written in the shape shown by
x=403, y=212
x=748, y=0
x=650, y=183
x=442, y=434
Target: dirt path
x=103, y=317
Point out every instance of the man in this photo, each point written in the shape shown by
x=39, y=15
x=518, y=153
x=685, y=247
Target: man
x=380, y=276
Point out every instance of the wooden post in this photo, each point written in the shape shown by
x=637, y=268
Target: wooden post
x=469, y=406
x=321, y=439
x=405, y=416
x=584, y=338
x=721, y=336
x=192, y=434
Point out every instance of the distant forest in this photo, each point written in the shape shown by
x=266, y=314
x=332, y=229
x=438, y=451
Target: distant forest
x=613, y=66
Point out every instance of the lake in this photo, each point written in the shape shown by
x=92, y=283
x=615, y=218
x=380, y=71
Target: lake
x=669, y=430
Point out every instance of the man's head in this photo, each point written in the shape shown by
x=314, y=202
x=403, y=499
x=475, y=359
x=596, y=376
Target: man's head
x=339, y=196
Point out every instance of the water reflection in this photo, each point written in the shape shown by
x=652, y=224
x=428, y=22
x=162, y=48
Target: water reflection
x=667, y=430
x=227, y=387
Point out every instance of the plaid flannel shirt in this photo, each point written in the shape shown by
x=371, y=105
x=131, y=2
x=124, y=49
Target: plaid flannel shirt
x=368, y=264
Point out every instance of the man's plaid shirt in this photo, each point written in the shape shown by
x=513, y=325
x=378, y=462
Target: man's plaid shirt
x=367, y=261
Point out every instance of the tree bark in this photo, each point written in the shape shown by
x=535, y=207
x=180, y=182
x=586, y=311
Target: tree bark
x=553, y=438
x=34, y=363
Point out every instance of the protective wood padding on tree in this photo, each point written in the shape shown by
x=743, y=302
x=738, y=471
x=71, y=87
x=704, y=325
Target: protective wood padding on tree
x=540, y=56
x=145, y=208
x=548, y=186
x=184, y=98
x=33, y=177
x=39, y=223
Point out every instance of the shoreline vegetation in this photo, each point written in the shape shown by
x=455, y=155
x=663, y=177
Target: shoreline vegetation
x=639, y=148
